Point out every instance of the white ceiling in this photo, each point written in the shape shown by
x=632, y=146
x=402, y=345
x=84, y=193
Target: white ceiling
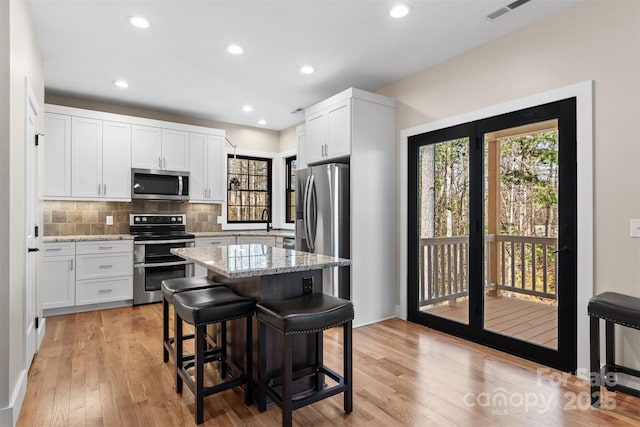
x=180, y=64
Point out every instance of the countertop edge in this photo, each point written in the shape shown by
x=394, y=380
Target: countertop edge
x=77, y=238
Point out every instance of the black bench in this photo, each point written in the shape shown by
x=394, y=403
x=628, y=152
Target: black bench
x=618, y=309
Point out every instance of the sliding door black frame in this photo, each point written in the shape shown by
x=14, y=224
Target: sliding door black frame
x=564, y=358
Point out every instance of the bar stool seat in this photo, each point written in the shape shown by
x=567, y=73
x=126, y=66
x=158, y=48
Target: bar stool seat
x=619, y=309
x=201, y=308
x=312, y=313
x=169, y=288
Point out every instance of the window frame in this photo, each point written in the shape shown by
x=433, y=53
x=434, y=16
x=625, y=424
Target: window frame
x=289, y=189
x=269, y=190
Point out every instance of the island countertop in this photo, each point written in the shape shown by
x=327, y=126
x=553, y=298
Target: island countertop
x=250, y=260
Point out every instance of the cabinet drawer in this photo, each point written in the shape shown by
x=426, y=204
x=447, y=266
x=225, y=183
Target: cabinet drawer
x=104, y=246
x=58, y=249
x=104, y=290
x=215, y=241
x=259, y=240
x=98, y=266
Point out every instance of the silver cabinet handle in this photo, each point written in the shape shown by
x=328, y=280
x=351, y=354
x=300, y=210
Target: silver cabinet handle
x=105, y=248
x=164, y=163
x=53, y=249
x=105, y=266
x=104, y=189
x=105, y=291
x=159, y=162
x=99, y=186
x=71, y=265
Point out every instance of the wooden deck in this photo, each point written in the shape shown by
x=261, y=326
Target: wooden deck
x=526, y=320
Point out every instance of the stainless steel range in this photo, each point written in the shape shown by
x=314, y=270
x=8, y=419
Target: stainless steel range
x=154, y=237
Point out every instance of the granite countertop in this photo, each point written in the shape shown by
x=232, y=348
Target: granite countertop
x=250, y=260
x=275, y=233
x=83, y=238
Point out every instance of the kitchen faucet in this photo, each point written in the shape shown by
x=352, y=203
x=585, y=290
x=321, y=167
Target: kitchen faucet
x=266, y=211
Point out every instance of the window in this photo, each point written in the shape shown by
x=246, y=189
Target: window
x=291, y=189
x=248, y=189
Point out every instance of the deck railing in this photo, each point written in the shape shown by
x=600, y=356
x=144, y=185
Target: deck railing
x=521, y=264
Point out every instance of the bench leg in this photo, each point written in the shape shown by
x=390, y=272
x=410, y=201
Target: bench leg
x=594, y=350
x=610, y=353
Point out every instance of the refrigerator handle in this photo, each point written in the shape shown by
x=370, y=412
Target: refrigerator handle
x=312, y=216
x=305, y=211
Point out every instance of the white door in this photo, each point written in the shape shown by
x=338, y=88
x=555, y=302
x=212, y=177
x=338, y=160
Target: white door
x=116, y=160
x=86, y=153
x=175, y=150
x=31, y=225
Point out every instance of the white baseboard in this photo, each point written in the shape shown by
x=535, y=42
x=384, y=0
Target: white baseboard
x=9, y=415
x=42, y=328
x=400, y=312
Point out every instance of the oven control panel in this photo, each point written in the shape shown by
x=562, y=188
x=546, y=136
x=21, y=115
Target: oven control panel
x=157, y=219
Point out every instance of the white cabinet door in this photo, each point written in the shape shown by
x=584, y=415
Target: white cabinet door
x=301, y=156
x=216, y=169
x=86, y=157
x=146, y=147
x=175, y=150
x=339, y=130
x=58, y=281
x=57, y=155
x=200, y=271
x=258, y=240
x=197, y=167
x=316, y=137
x=116, y=160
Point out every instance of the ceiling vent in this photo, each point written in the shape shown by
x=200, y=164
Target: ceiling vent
x=297, y=110
x=508, y=8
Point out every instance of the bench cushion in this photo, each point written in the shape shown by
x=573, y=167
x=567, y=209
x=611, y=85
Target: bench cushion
x=617, y=308
x=170, y=287
x=211, y=305
x=309, y=313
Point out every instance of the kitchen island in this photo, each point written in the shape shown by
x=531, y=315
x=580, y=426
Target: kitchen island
x=265, y=272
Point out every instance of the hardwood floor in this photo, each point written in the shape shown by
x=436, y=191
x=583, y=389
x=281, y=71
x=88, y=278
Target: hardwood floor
x=105, y=369
x=526, y=320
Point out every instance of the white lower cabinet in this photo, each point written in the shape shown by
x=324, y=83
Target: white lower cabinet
x=200, y=271
x=88, y=272
x=58, y=275
x=258, y=240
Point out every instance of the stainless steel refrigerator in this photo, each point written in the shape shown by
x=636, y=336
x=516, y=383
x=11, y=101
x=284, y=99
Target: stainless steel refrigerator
x=322, y=220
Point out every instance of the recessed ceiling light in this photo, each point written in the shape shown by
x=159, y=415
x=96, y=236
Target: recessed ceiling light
x=235, y=49
x=399, y=11
x=121, y=83
x=247, y=108
x=262, y=122
x=307, y=69
x=139, y=22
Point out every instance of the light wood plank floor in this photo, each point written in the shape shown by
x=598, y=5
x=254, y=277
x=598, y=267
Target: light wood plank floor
x=526, y=320
x=105, y=368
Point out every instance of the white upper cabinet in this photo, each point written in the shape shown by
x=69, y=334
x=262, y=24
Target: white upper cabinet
x=57, y=155
x=329, y=132
x=86, y=163
x=301, y=156
x=206, y=178
x=100, y=159
x=159, y=149
x=116, y=160
x=146, y=147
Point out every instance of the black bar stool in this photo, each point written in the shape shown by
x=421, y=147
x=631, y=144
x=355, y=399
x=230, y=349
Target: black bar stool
x=309, y=314
x=614, y=308
x=201, y=308
x=169, y=288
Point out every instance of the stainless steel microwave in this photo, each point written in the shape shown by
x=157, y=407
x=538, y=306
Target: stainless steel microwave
x=159, y=184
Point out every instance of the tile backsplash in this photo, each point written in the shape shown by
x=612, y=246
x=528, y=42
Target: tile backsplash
x=70, y=218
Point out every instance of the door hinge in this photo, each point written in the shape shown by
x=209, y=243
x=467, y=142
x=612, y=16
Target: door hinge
x=36, y=230
x=38, y=135
x=37, y=322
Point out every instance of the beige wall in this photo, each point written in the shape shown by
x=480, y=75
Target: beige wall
x=25, y=63
x=595, y=40
x=289, y=139
x=248, y=138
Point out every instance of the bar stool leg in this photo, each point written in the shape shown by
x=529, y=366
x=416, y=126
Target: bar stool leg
x=165, y=329
x=177, y=331
x=248, y=368
x=610, y=353
x=319, y=380
x=199, y=379
x=287, y=381
x=348, y=367
x=594, y=350
x=223, y=350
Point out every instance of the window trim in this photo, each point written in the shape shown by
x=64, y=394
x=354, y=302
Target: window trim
x=288, y=190
x=269, y=190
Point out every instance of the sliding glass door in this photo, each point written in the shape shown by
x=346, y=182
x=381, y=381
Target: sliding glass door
x=492, y=220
